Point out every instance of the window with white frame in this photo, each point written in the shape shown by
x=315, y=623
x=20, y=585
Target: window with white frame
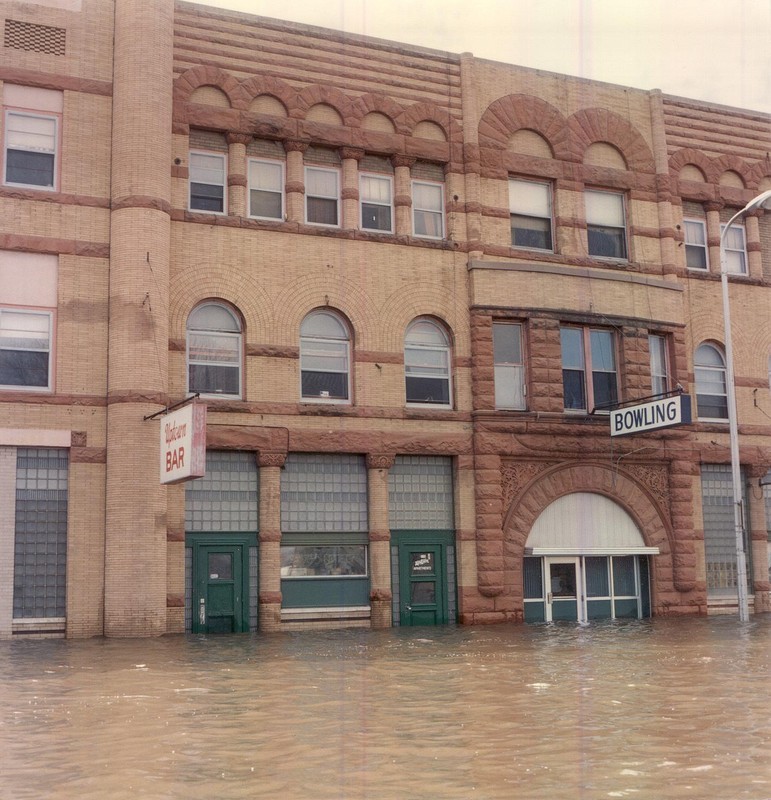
x=376, y=200
x=207, y=182
x=427, y=364
x=710, y=377
x=25, y=348
x=657, y=345
x=509, y=366
x=30, y=149
x=322, y=196
x=428, y=209
x=325, y=357
x=214, y=351
x=735, y=249
x=605, y=224
x=589, y=376
x=266, y=189
x=530, y=210
x=695, y=244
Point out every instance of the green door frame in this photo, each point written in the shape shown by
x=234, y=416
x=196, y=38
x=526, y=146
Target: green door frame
x=210, y=589
x=418, y=578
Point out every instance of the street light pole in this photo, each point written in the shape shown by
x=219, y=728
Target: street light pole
x=761, y=201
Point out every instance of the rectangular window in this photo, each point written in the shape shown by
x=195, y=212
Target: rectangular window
x=428, y=209
x=735, y=249
x=657, y=345
x=509, y=366
x=589, y=379
x=695, y=244
x=376, y=193
x=605, y=224
x=40, y=547
x=207, y=182
x=326, y=561
x=25, y=349
x=266, y=189
x=322, y=196
x=531, y=214
x=30, y=149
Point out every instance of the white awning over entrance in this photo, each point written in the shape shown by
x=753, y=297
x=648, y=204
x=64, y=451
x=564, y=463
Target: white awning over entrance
x=585, y=524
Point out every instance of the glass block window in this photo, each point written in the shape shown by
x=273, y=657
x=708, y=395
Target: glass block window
x=719, y=533
x=227, y=497
x=324, y=493
x=420, y=494
x=40, y=550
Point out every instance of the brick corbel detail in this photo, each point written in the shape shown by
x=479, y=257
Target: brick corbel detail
x=295, y=146
x=380, y=460
x=271, y=459
x=402, y=161
x=234, y=137
x=351, y=152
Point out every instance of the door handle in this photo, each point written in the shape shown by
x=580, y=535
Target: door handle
x=548, y=597
x=202, y=611
x=409, y=608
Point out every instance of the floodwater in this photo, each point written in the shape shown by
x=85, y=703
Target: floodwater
x=654, y=710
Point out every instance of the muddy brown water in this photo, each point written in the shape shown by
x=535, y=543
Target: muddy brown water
x=659, y=709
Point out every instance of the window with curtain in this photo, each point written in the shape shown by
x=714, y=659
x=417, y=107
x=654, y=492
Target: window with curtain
x=376, y=201
x=589, y=376
x=695, y=244
x=214, y=350
x=322, y=196
x=325, y=354
x=427, y=364
x=30, y=149
x=25, y=348
x=266, y=189
x=735, y=249
x=207, y=182
x=509, y=366
x=530, y=211
x=710, y=376
x=428, y=209
x=657, y=346
x=605, y=224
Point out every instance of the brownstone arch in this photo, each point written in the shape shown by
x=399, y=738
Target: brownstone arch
x=196, y=77
x=672, y=572
x=592, y=125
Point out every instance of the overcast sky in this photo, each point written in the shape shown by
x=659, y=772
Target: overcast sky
x=718, y=50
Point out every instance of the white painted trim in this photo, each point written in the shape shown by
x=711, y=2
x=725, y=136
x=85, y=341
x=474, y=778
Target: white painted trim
x=35, y=437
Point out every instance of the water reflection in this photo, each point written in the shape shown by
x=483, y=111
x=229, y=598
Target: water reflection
x=659, y=709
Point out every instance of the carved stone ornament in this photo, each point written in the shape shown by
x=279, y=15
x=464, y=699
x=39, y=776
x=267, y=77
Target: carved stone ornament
x=515, y=475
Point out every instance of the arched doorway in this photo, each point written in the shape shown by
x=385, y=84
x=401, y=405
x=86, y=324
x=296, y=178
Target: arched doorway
x=585, y=559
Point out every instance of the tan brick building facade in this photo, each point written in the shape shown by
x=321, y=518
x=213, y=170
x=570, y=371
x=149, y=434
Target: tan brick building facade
x=401, y=281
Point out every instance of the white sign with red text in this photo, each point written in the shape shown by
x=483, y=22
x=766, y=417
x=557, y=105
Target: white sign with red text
x=183, y=444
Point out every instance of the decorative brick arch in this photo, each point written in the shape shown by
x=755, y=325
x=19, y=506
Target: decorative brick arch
x=428, y=112
x=196, y=77
x=690, y=155
x=592, y=125
x=515, y=112
x=732, y=163
x=258, y=85
x=759, y=171
x=379, y=103
x=674, y=572
x=314, y=95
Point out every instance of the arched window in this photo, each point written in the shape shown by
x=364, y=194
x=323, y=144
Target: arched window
x=214, y=350
x=325, y=355
x=427, y=364
x=709, y=370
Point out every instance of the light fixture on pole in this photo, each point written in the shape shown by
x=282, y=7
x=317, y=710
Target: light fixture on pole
x=762, y=201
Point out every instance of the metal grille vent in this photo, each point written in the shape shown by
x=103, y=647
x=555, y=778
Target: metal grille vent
x=38, y=38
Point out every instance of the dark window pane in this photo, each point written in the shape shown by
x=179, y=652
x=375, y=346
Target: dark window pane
x=325, y=384
x=376, y=218
x=34, y=169
x=322, y=211
x=206, y=197
x=423, y=593
x=19, y=368
x=530, y=232
x=597, y=583
x=605, y=391
x=428, y=390
x=712, y=406
x=533, y=578
x=606, y=242
x=221, y=566
x=623, y=576
x=265, y=204
x=573, y=389
x=695, y=257
x=213, y=379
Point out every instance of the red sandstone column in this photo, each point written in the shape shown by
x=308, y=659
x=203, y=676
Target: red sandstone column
x=270, y=540
x=402, y=194
x=380, y=594
x=238, y=203
x=135, y=509
x=350, y=189
x=754, y=247
x=295, y=181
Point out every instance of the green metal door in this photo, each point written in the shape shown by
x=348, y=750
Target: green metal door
x=423, y=584
x=219, y=588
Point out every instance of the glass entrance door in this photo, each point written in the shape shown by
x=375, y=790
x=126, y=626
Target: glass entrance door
x=564, y=592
